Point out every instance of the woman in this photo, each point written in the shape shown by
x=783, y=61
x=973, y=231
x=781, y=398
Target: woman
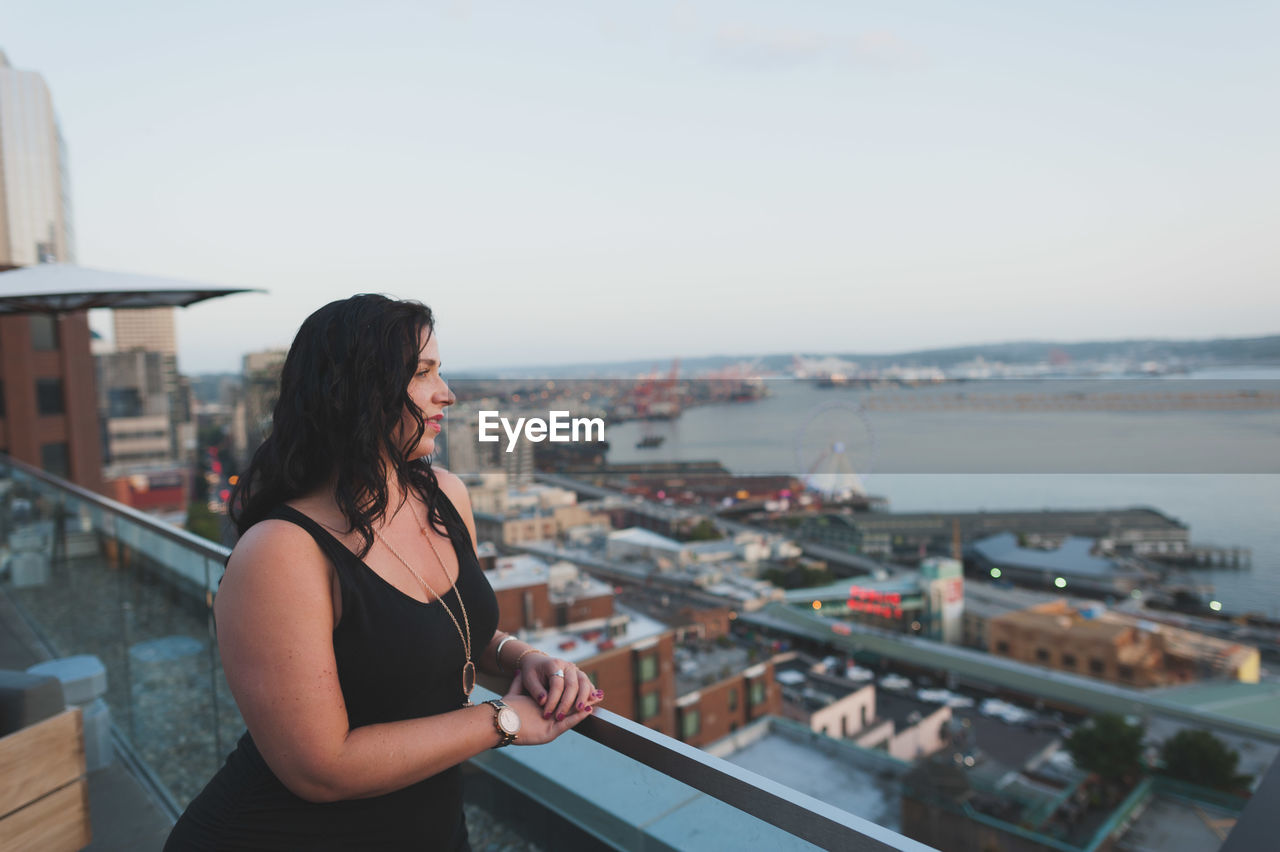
x=353, y=612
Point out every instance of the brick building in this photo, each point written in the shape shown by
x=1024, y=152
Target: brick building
x=563, y=612
x=1116, y=647
x=720, y=690
x=533, y=595
x=628, y=655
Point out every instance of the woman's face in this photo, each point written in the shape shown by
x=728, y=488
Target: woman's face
x=430, y=393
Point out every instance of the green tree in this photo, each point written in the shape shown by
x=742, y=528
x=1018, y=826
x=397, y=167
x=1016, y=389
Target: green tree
x=799, y=576
x=1108, y=745
x=204, y=523
x=704, y=530
x=1198, y=756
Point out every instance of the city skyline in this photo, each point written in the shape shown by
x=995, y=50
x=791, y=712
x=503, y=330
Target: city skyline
x=691, y=180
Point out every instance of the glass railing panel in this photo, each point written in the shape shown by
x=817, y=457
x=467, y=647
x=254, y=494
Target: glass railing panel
x=169, y=664
x=91, y=580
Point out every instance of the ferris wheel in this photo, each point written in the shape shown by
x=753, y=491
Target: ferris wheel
x=834, y=446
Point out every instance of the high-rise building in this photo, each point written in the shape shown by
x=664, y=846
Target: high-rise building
x=48, y=414
x=261, y=376
x=134, y=402
x=150, y=329
x=153, y=330
x=35, y=216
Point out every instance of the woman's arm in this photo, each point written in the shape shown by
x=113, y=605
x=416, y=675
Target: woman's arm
x=274, y=614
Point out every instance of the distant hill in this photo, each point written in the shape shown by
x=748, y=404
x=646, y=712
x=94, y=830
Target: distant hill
x=1221, y=351
x=1201, y=353
x=1251, y=350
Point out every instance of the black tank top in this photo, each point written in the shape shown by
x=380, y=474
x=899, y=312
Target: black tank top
x=398, y=658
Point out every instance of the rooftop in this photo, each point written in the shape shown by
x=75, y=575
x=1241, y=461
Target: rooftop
x=646, y=538
x=513, y=572
x=1072, y=557
x=1253, y=702
x=1135, y=517
x=699, y=665
x=1065, y=620
x=987, y=600
x=563, y=579
x=834, y=772
x=1167, y=824
x=906, y=583
x=904, y=710
x=583, y=642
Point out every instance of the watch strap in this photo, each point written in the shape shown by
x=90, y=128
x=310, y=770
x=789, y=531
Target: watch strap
x=498, y=706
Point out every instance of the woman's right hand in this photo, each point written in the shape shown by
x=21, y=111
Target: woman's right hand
x=534, y=729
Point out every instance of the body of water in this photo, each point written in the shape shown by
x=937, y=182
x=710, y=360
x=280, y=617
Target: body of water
x=1217, y=471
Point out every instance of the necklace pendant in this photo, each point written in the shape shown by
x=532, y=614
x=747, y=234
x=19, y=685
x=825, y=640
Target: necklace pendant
x=468, y=679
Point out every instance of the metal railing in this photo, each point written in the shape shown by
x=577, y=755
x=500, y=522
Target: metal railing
x=94, y=576
x=154, y=677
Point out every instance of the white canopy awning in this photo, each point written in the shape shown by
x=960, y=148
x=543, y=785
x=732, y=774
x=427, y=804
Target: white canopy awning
x=58, y=287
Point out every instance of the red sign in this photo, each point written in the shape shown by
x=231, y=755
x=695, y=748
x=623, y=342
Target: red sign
x=874, y=602
x=882, y=610
x=858, y=593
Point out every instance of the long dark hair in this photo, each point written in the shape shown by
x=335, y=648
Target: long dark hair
x=343, y=394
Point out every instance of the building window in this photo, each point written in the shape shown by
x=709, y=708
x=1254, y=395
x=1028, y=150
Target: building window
x=55, y=459
x=690, y=723
x=648, y=667
x=1042, y=655
x=1069, y=660
x=648, y=706
x=1125, y=672
x=733, y=699
x=2, y=408
x=49, y=397
x=44, y=332
x=1002, y=647
x=1096, y=666
x=757, y=694
x=124, y=402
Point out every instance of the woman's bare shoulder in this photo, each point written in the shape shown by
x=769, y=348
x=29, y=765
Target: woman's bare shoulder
x=452, y=485
x=456, y=490
x=286, y=549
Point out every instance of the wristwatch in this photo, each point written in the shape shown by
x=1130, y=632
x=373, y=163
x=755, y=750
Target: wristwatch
x=506, y=721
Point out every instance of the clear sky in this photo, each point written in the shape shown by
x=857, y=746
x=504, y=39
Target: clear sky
x=570, y=181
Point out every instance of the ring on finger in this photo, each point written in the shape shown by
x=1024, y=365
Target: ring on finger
x=558, y=673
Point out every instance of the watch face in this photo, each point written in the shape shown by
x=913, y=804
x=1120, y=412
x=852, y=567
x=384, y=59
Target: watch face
x=509, y=720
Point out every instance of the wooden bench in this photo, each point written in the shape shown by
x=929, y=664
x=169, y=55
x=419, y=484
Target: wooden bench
x=44, y=792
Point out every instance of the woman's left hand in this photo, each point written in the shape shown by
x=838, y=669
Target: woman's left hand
x=558, y=685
